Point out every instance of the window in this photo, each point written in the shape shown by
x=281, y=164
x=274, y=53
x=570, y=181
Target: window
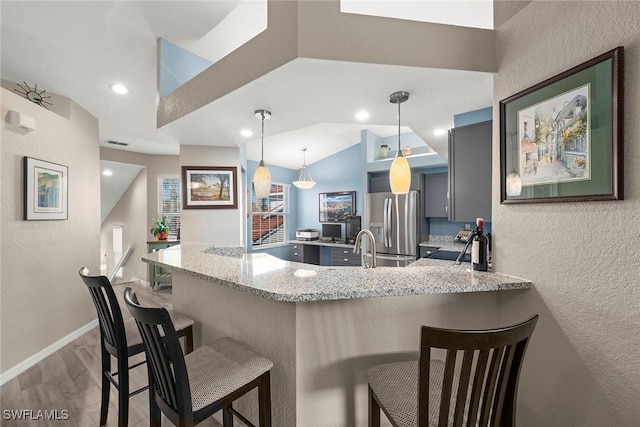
x=169, y=202
x=269, y=217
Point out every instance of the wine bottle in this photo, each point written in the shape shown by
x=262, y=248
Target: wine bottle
x=479, y=247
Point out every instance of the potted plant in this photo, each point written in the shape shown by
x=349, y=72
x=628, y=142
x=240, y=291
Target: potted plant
x=160, y=230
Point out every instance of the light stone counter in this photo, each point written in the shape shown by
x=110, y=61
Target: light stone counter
x=323, y=327
x=280, y=280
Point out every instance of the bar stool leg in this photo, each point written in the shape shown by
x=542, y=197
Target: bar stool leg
x=374, y=410
x=106, y=385
x=264, y=400
x=123, y=391
x=227, y=416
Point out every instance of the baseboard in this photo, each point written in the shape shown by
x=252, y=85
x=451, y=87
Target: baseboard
x=29, y=362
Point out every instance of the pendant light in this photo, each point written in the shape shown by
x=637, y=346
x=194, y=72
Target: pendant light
x=305, y=180
x=262, y=177
x=400, y=172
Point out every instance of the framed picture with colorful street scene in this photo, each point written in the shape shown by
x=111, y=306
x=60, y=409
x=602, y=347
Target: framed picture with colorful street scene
x=562, y=139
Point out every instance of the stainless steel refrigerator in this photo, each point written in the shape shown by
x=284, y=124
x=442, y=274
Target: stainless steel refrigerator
x=395, y=221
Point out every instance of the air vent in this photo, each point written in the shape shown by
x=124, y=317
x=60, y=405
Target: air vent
x=124, y=144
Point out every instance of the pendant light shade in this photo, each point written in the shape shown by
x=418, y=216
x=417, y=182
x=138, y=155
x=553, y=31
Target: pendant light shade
x=262, y=176
x=305, y=180
x=400, y=172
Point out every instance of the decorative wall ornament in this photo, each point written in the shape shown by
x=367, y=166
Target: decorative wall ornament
x=34, y=95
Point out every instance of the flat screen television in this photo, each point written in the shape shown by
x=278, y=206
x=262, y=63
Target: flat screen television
x=336, y=206
x=332, y=231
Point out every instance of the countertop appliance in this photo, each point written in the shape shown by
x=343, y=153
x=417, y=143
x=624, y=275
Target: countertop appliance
x=307, y=234
x=395, y=221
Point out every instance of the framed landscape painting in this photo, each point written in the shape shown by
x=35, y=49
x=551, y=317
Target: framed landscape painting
x=561, y=140
x=45, y=190
x=212, y=187
x=337, y=206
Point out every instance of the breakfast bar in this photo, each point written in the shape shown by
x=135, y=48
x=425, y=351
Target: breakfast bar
x=323, y=327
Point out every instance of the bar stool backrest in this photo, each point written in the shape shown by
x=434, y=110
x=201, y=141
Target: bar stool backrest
x=108, y=309
x=168, y=380
x=481, y=389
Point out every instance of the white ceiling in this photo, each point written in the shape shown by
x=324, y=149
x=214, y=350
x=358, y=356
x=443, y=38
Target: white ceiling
x=77, y=49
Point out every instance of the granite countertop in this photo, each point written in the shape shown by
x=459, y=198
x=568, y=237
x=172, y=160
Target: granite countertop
x=270, y=277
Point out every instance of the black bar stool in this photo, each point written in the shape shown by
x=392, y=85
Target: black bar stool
x=478, y=391
x=121, y=339
x=188, y=389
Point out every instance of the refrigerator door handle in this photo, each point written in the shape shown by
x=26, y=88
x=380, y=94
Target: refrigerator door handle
x=389, y=225
x=384, y=222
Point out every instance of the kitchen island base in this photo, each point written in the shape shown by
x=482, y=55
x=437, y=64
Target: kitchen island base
x=321, y=349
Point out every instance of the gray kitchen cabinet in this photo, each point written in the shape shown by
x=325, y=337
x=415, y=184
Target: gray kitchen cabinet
x=309, y=254
x=379, y=182
x=436, y=203
x=345, y=257
x=470, y=172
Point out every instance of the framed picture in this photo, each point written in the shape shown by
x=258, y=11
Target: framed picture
x=336, y=207
x=212, y=187
x=561, y=140
x=45, y=190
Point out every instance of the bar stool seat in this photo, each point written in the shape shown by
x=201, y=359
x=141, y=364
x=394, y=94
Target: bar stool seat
x=220, y=368
x=396, y=386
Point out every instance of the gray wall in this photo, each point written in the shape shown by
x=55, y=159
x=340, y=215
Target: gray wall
x=42, y=297
x=582, y=364
x=128, y=213
x=138, y=213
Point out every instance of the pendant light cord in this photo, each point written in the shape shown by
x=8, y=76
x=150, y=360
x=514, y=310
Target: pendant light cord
x=399, y=126
x=262, y=139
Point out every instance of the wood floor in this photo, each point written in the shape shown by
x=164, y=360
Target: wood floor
x=69, y=380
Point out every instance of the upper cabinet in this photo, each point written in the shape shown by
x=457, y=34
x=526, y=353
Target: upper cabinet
x=436, y=203
x=379, y=182
x=470, y=172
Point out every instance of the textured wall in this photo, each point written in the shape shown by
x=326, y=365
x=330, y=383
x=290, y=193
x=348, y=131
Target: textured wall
x=583, y=365
x=221, y=227
x=133, y=211
x=129, y=213
x=43, y=299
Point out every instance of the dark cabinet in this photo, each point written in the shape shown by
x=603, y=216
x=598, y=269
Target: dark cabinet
x=379, y=182
x=470, y=172
x=436, y=203
x=309, y=254
x=345, y=257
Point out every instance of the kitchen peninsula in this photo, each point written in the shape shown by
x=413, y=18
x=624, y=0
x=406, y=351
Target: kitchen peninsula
x=324, y=326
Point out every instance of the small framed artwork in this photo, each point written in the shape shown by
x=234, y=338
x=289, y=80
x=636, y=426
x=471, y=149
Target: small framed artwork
x=45, y=190
x=213, y=187
x=337, y=206
x=562, y=140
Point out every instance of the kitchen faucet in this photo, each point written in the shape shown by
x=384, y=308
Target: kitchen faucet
x=356, y=249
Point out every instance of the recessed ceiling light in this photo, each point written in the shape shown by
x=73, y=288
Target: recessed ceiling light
x=119, y=88
x=107, y=172
x=439, y=132
x=246, y=133
x=362, y=115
